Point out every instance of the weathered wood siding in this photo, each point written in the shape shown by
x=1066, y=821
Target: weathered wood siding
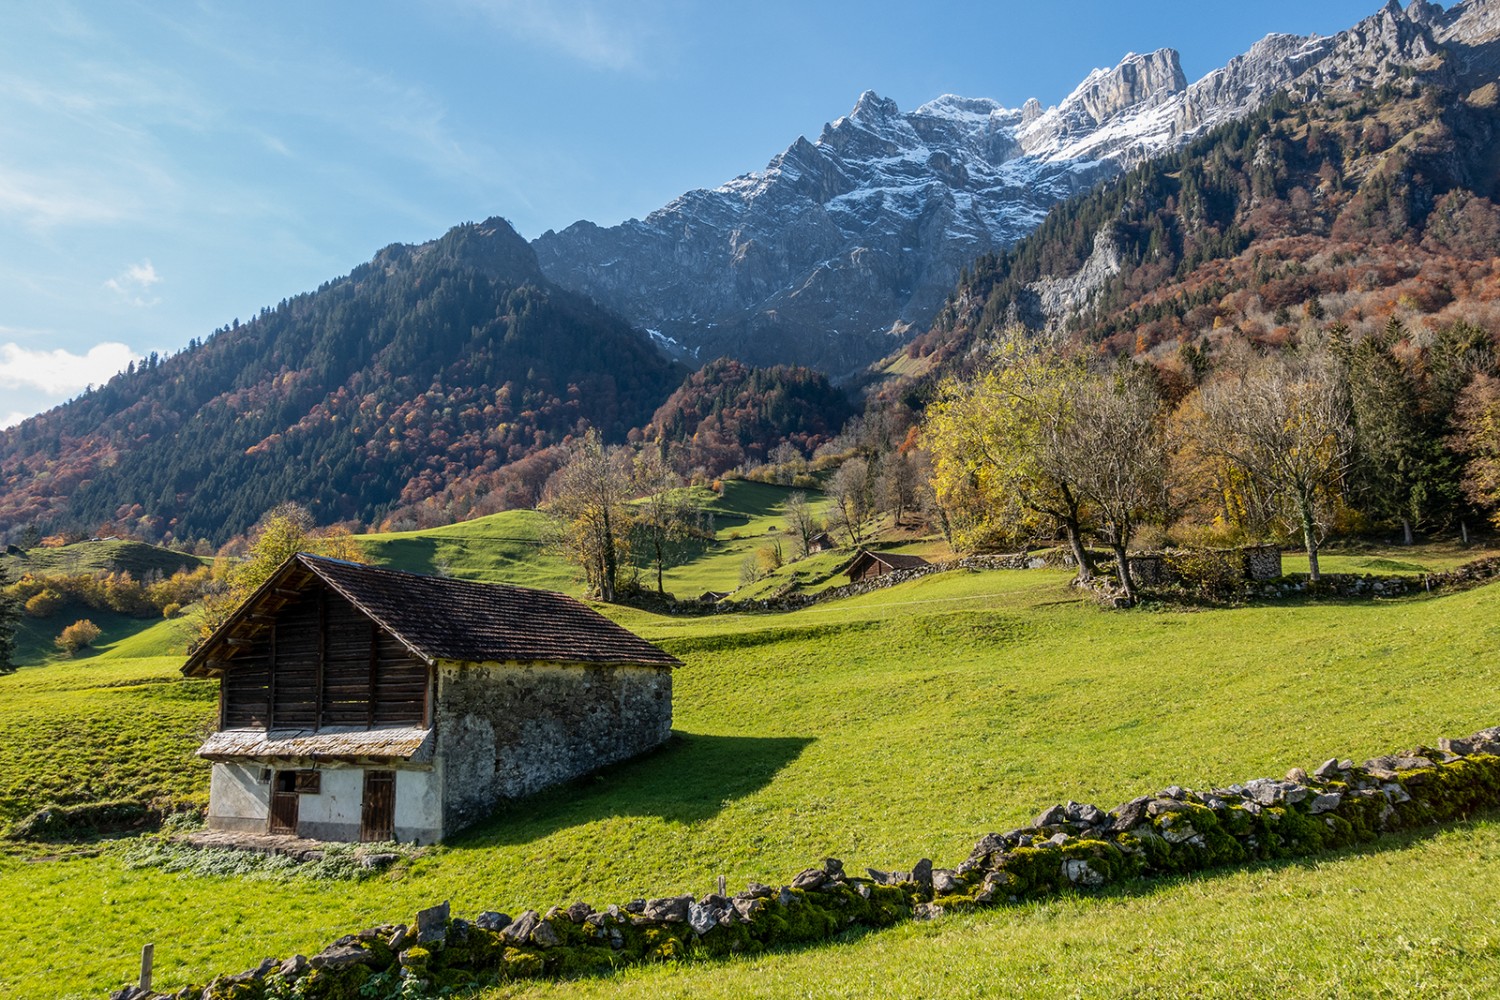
x=321, y=663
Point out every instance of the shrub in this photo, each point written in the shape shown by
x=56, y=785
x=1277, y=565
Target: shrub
x=1207, y=573
x=44, y=604
x=79, y=635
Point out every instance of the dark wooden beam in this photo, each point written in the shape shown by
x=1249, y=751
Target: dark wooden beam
x=370, y=695
x=322, y=658
x=271, y=684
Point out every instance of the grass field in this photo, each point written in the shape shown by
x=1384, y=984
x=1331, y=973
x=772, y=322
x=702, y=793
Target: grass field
x=878, y=729
x=1382, y=560
x=137, y=558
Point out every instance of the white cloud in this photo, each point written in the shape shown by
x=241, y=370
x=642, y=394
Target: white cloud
x=61, y=372
x=132, y=283
x=603, y=35
x=11, y=419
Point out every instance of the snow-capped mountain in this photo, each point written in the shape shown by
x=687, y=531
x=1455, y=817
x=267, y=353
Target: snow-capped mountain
x=842, y=245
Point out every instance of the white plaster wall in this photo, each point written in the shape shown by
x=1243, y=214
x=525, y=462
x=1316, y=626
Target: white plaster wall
x=237, y=800
x=337, y=804
x=419, y=806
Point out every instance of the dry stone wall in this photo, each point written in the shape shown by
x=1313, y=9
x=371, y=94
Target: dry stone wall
x=1071, y=846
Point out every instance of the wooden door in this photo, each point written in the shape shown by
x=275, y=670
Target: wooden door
x=284, y=803
x=377, y=819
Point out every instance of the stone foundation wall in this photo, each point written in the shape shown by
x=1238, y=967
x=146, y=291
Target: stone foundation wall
x=507, y=730
x=1071, y=846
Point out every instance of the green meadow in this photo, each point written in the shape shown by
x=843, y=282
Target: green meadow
x=879, y=729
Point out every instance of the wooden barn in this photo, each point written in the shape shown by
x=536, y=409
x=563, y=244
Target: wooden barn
x=867, y=565
x=821, y=542
x=359, y=703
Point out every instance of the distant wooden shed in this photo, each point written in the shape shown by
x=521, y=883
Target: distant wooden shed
x=821, y=542
x=867, y=564
x=360, y=703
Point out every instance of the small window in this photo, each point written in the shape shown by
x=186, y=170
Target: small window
x=309, y=782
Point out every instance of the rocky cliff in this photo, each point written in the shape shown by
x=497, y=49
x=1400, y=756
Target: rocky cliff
x=844, y=245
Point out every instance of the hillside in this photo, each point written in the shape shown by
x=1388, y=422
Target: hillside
x=430, y=363
x=1351, y=209
x=877, y=729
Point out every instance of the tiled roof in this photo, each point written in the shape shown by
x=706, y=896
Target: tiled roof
x=405, y=743
x=445, y=619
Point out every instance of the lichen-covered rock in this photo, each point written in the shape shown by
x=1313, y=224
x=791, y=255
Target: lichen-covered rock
x=490, y=920
x=432, y=925
x=668, y=909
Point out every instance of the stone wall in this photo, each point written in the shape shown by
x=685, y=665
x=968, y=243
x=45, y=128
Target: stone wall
x=507, y=730
x=1071, y=846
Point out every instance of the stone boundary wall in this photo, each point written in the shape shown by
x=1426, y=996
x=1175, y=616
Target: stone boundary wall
x=1070, y=846
x=795, y=602
x=1467, y=576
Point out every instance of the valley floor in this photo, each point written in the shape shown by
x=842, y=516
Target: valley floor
x=878, y=729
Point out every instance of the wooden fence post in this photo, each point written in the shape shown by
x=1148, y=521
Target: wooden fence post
x=148, y=955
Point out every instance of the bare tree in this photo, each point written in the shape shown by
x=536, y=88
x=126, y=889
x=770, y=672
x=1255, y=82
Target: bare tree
x=1117, y=455
x=896, y=485
x=800, y=523
x=664, y=512
x=1284, y=421
x=587, y=501
x=850, y=492
x=787, y=462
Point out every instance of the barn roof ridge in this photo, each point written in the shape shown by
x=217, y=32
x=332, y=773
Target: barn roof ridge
x=439, y=618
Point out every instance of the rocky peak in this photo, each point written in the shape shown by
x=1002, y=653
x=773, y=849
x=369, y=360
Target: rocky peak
x=1137, y=80
x=872, y=109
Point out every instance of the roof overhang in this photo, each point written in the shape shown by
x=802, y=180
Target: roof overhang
x=411, y=744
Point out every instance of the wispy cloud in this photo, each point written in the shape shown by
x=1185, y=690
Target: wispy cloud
x=61, y=372
x=41, y=202
x=11, y=419
x=608, y=36
x=134, y=282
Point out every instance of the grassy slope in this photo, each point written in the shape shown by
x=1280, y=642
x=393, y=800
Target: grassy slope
x=34, y=637
x=879, y=729
x=1405, y=919
x=137, y=558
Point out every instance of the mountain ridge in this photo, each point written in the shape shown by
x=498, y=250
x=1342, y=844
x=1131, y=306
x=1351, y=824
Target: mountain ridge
x=844, y=247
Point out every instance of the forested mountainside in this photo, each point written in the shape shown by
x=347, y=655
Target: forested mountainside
x=429, y=363
x=725, y=415
x=729, y=413
x=1353, y=209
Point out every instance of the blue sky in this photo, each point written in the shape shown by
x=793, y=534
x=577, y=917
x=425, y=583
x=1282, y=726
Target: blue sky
x=168, y=167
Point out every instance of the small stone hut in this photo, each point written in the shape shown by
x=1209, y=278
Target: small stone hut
x=360, y=703
x=867, y=565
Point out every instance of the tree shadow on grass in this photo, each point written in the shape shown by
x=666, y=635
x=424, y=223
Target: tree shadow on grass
x=689, y=778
